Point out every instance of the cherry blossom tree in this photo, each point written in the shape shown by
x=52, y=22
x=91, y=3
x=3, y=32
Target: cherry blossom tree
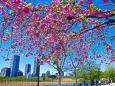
x=46, y=31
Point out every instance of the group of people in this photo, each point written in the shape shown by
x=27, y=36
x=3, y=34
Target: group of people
x=84, y=84
x=98, y=82
x=107, y=82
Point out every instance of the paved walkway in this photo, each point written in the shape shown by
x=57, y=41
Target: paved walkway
x=113, y=84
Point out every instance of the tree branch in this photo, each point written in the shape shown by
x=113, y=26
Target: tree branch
x=107, y=22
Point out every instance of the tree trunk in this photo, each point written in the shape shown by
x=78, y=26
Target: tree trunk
x=75, y=78
x=59, y=78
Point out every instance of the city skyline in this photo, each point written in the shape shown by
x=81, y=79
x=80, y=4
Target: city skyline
x=43, y=68
x=23, y=69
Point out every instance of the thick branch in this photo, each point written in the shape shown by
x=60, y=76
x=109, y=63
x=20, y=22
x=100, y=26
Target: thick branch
x=107, y=22
x=92, y=16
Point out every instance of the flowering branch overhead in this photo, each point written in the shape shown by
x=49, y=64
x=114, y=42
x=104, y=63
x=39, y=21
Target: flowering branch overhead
x=49, y=29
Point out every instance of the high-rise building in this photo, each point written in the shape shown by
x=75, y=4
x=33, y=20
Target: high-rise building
x=27, y=69
x=20, y=73
x=5, y=71
x=43, y=75
x=36, y=67
x=15, y=59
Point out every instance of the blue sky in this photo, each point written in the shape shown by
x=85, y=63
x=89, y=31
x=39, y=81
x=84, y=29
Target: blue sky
x=45, y=67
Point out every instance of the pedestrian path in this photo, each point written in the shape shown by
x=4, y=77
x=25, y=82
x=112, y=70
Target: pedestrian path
x=113, y=84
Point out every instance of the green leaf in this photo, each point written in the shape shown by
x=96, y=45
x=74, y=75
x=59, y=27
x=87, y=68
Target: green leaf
x=29, y=5
x=70, y=0
x=63, y=1
x=11, y=11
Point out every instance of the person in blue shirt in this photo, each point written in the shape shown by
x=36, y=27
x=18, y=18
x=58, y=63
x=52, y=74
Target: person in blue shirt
x=96, y=82
x=85, y=83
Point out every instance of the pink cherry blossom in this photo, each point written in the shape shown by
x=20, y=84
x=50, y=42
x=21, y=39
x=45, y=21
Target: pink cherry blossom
x=3, y=12
x=1, y=49
x=105, y=1
x=26, y=10
x=112, y=26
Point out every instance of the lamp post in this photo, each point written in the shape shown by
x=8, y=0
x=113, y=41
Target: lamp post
x=38, y=73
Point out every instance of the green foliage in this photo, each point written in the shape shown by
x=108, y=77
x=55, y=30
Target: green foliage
x=110, y=72
x=48, y=74
x=19, y=78
x=94, y=7
x=72, y=77
x=90, y=71
x=33, y=79
x=93, y=73
x=3, y=78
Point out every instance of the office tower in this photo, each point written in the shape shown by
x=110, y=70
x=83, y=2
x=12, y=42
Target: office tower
x=15, y=59
x=43, y=75
x=36, y=67
x=32, y=75
x=27, y=69
x=20, y=73
x=5, y=71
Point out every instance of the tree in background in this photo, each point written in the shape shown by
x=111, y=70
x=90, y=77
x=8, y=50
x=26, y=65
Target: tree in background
x=91, y=70
x=47, y=74
x=110, y=71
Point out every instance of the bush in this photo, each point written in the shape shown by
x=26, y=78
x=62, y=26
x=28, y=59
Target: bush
x=19, y=78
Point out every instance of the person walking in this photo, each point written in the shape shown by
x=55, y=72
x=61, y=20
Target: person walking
x=96, y=82
x=79, y=84
x=109, y=81
x=85, y=84
x=106, y=82
x=99, y=82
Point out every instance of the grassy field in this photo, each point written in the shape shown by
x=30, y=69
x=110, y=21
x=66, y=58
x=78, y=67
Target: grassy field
x=32, y=83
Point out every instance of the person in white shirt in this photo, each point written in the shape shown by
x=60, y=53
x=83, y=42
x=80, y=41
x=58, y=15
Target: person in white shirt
x=99, y=82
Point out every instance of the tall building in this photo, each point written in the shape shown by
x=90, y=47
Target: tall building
x=43, y=75
x=5, y=71
x=20, y=73
x=27, y=69
x=36, y=67
x=14, y=65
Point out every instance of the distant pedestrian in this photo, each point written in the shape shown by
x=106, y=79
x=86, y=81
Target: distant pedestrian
x=85, y=84
x=96, y=82
x=106, y=82
x=99, y=82
x=79, y=84
x=92, y=82
x=109, y=81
